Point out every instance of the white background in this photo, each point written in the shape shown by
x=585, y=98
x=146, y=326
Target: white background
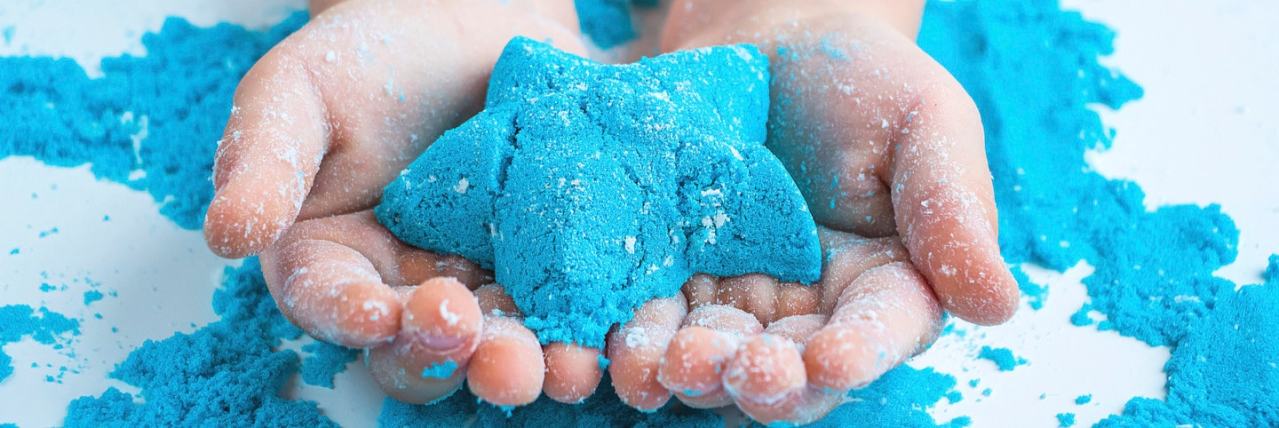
x=1203, y=133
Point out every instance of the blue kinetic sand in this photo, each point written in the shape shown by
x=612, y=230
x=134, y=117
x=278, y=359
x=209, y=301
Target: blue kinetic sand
x=591, y=189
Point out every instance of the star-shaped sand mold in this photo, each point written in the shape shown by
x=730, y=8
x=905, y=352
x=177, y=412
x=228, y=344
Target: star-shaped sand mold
x=590, y=188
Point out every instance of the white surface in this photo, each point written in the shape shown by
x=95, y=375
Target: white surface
x=1202, y=134
x=163, y=277
x=1063, y=362
x=89, y=30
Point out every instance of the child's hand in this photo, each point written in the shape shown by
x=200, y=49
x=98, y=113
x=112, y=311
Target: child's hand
x=320, y=125
x=885, y=144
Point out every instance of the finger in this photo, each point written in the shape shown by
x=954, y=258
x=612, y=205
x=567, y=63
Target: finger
x=328, y=276
x=700, y=290
x=944, y=204
x=398, y=263
x=384, y=107
x=767, y=373
x=636, y=350
x=694, y=363
x=771, y=399
x=508, y=368
x=339, y=89
x=444, y=317
x=429, y=357
x=268, y=156
x=754, y=293
x=758, y=295
x=335, y=294
x=572, y=372
x=796, y=299
x=848, y=256
x=885, y=316
x=725, y=319
x=495, y=302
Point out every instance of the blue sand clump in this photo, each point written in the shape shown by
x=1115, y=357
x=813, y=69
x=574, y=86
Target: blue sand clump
x=1083, y=399
x=46, y=233
x=1035, y=294
x=1080, y=317
x=42, y=326
x=1225, y=371
x=226, y=373
x=92, y=296
x=1002, y=357
x=591, y=189
x=150, y=122
x=608, y=22
x=442, y=370
x=325, y=360
x=1065, y=420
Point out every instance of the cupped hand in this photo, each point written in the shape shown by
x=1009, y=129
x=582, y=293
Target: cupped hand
x=319, y=125
x=888, y=151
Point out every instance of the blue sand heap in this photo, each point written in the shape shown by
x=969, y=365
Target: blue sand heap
x=227, y=373
x=174, y=100
x=1002, y=357
x=591, y=189
x=1225, y=371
